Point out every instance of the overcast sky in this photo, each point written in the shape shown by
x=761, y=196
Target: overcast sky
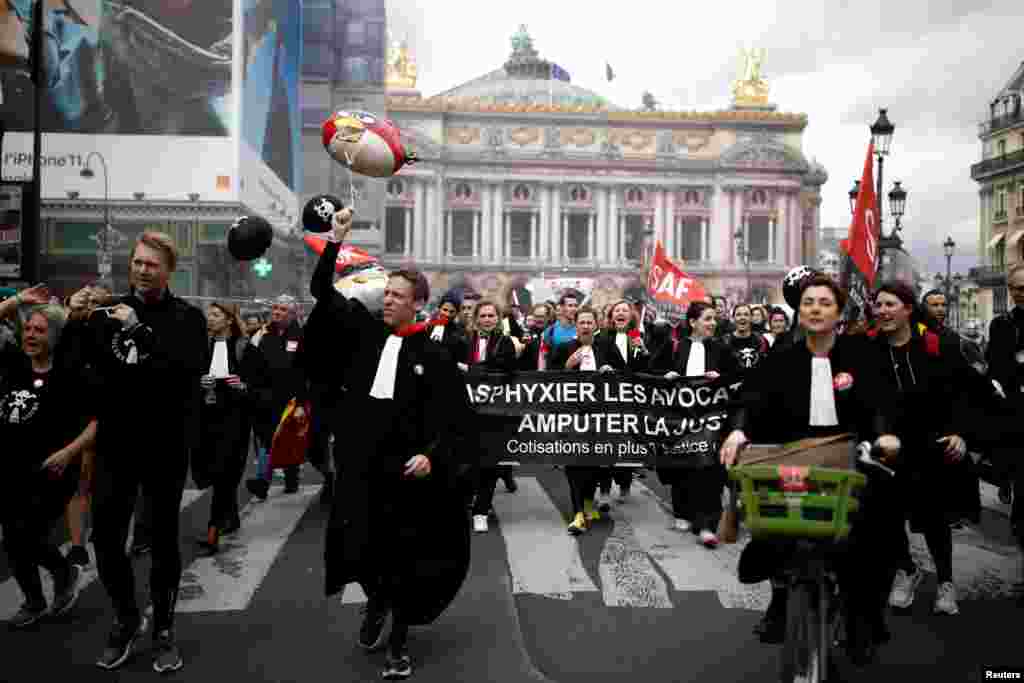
x=934, y=64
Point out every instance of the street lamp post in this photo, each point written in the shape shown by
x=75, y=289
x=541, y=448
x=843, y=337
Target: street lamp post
x=108, y=238
x=897, y=207
x=197, y=285
x=949, y=246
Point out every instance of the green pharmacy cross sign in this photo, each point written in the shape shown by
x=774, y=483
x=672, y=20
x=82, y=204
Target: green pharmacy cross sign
x=262, y=267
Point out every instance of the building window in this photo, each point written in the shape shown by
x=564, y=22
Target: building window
x=355, y=33
x=578, y=194
x=519, y=239
x=999, y=254
x=691, y=197
x=690, y=239
x=462, y=233
x=1001, y=146
x=578, y=238
x=395, y=189
x=521, y=192
x=357, y=70
x=634, y=195
x=635, y=226
x=394, y=230
x=1000, y=207
x=759, y=237
x=759, y=198
x=463, y=191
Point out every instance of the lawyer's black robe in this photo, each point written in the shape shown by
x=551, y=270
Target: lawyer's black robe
x=411, y=534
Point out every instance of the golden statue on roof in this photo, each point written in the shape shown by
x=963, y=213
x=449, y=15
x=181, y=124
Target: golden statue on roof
x=400, y=67
x=749, y=88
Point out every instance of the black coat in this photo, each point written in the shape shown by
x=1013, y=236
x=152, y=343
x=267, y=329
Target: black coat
x=560, y=354
x=717, y=357
x=224, y=426
x=637, y=359
x=411, y=533
x=275, y=365
x=500, y=356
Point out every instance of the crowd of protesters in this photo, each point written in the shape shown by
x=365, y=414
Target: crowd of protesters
x=218, y=382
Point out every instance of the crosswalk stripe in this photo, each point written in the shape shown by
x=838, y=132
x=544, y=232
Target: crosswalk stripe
x=628, y=577
x=542, y=558
x=228, y=580
x=11, y=596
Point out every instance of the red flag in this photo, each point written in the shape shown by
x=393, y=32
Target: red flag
x=668, y=284
x=862, y=243
x=347, y=256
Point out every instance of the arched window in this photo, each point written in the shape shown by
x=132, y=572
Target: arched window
x=634, y=195
x=578, y=194
x=463, y=191
x=691, y=197
x=396, y=188
x=759, y=198
x=521, y=192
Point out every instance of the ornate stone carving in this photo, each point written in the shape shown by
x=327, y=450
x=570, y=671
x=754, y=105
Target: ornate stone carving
x=580, y=137
x=495, y=136
x=750, y=88
x=464, y=135
x=524, y=136
x=400, y=67
x=666, y=143
x=692, y=141
x=552, y=138
x=635, y=140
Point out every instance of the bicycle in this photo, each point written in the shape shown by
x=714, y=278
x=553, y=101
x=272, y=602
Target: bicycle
x=811, y=505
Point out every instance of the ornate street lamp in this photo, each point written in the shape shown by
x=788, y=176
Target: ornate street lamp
x=881, y=133
x=897, y=204
x=107, y=238
x=744, y=253
x=949, y=246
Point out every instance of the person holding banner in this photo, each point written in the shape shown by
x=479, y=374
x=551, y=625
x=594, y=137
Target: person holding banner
x=826, y=385
x=622, y=348
x=582, y=354
x=489, y=350
x=397, y=525
x=696, y=493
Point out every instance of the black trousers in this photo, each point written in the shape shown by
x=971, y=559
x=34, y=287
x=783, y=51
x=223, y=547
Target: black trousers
x=27, y=523
x=486, y=481
x=697, y=495
x=120, y=471
x=622, y=476
x=582, y=485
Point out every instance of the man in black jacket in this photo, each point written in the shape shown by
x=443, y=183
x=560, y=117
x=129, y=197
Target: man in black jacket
x=278, y=377
x=150, y=348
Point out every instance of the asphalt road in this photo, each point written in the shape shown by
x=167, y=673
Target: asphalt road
x=631, y=599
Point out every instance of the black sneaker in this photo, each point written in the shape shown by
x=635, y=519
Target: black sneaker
x=120, y=643
x=65, y=593
x=371, y=633
x=167, y=655
x=397, y=666
x=27, y=615
x=79, y=555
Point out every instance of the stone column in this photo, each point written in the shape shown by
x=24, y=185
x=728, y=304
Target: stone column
x=476, y=236
x=448, y=225
x=506, y=249
x=564, y=249
x=613, y=225
x=555, y=235
x=705, y=241
x=601, y=201
x=671, y=227
x=771, y=238
x=543, y=240
x=419, y=215
x=407, y=233
x=534, y=236
x=429, y=225
x=485, y=223
x=659, y=218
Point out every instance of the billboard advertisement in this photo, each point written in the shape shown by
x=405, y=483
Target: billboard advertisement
x=271, y=127
x=10, y=230
x=158, y=88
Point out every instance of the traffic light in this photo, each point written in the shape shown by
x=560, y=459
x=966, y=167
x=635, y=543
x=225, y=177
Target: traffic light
x=262, y=268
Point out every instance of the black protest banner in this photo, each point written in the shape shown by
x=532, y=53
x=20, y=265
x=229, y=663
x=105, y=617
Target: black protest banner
x=591, y=418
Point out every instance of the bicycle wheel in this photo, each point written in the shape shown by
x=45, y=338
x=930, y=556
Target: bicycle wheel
x=801, y=661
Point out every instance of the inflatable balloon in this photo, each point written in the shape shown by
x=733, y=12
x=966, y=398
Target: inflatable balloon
x=365, y=283
x=365, y=143
x=316, y=217
x=347, y=256
x=249, y=238
x=791, y=285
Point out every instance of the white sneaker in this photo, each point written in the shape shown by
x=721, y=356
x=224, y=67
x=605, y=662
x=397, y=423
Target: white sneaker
x=903, y=588
x=945, y=600
x=709, y=539
x=682, y=525
x=480, y=524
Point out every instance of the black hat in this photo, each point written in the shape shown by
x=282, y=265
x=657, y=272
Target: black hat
x=318, y=212
x=249, y=238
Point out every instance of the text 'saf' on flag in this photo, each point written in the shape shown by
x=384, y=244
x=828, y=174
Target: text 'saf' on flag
x=862, y=242
x=669, y=286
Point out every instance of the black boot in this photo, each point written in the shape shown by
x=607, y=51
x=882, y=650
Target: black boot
x=397, y=663
x=291, y=479
x=772, y=627
x=258, y=488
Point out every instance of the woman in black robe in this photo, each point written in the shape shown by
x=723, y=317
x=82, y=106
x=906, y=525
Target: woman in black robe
x=823, y=386
x=219, y=459
x=397, y=525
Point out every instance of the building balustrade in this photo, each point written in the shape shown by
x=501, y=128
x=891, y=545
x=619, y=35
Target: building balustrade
x=998, y=123
x=998, y=164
